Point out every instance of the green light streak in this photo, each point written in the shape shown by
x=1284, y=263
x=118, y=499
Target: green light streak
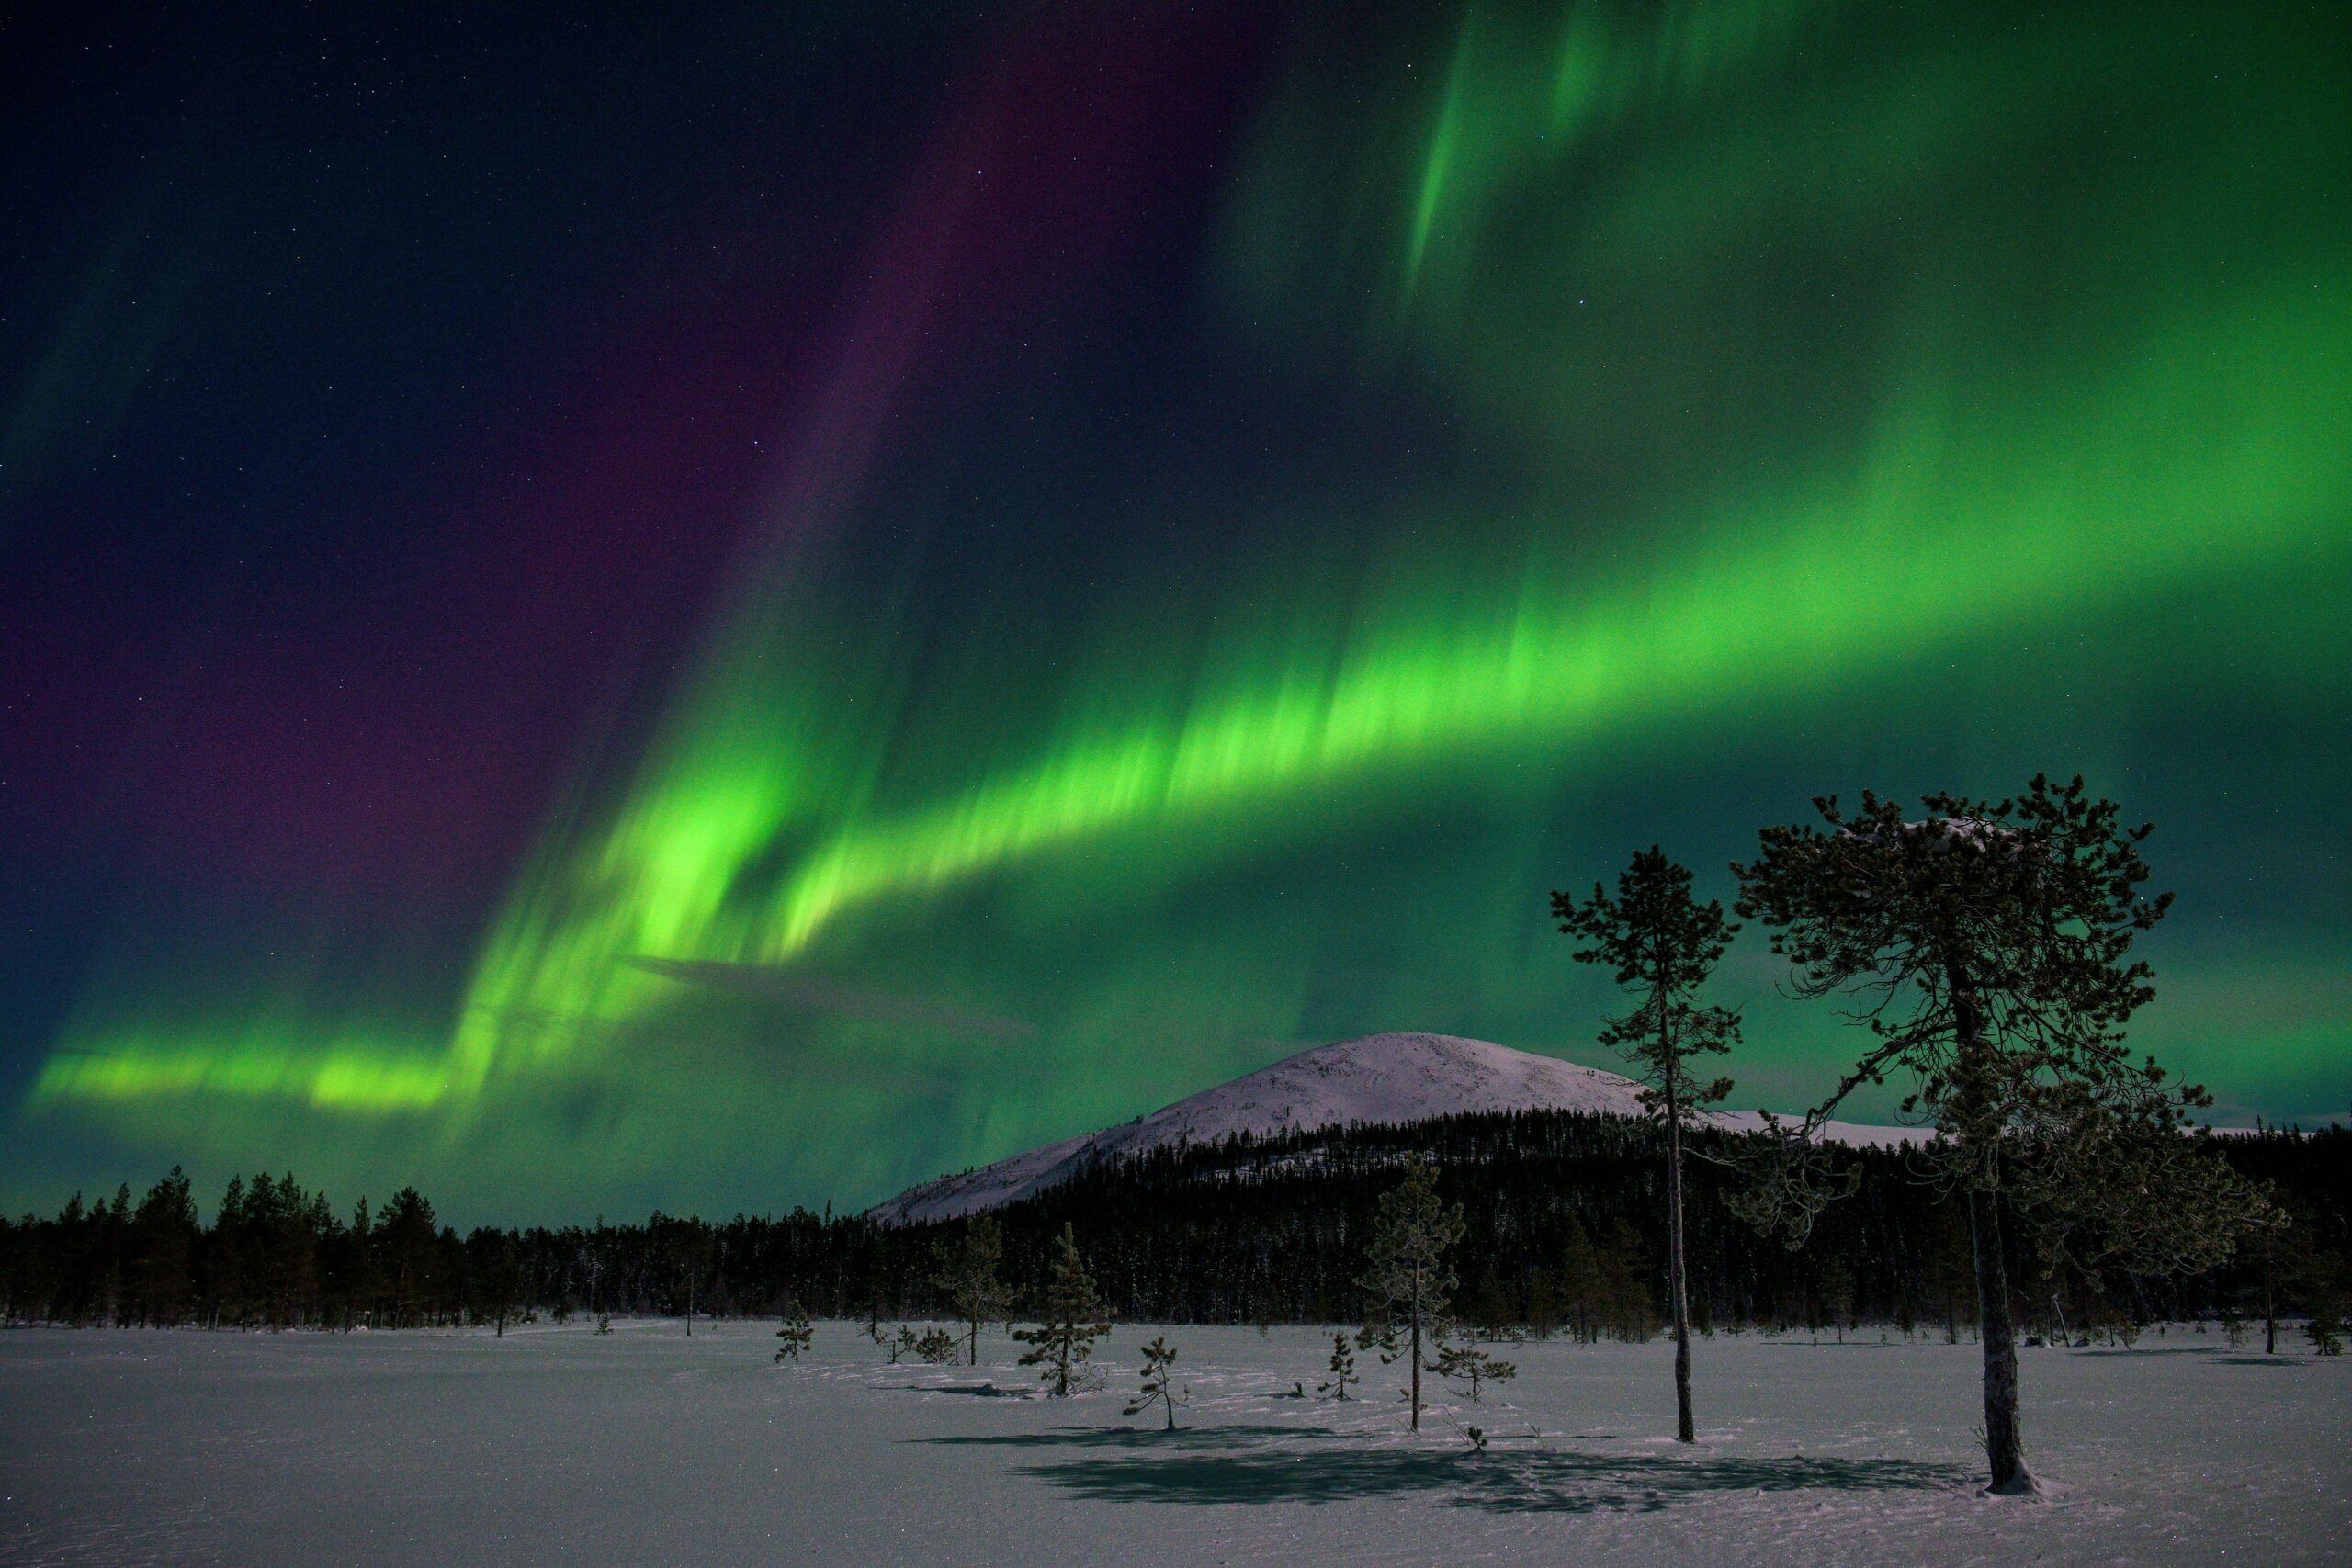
x=1946, y=537
x=1580, y=80
x=1801, y=400
x=345, y=1078
x=1438, y=163
x=1900, y=558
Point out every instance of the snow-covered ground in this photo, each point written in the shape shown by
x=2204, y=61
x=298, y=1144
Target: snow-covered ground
x=645, y=1446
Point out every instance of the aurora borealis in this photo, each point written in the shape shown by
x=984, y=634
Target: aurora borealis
x=742, y=613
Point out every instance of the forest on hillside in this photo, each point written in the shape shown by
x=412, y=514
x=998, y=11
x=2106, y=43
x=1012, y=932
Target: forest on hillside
x=1563, y=1234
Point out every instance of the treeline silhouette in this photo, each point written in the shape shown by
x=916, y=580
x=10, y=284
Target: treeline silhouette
x=1563, y=1209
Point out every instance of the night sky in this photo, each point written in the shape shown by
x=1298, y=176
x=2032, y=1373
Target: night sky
x=723, y=608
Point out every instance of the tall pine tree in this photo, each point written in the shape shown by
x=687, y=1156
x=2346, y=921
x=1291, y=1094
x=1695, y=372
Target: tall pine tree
x=967, y=1276
x=1986, y=947
x=1661, y=943
x=1409, y=1277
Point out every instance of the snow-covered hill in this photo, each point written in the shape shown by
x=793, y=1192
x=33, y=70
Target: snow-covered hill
x=1377, y=1080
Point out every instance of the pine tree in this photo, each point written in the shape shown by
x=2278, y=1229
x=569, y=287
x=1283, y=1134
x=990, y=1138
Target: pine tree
x=2317, y=1278
x=1950, y=1271
x=1159, y=1387
x=1584, y=1295
x=1625, y=1278
x=362, y=1285
x=1343, y=1370
x=497, y=1277
x=1073, y=1321
x=936, y=1346
x=2274, y=1242
x=1833, y=1300
x=690, y=1246
x=406, y=1233
x=1543, y=1314
x=164, y=1232
x=797, y=1333
x=1461, y=1361
x=1486, y=1307
x=1986, y=949
x=1409, y=1278
x=968, y=1275
x=1662, y=944
x=2324, y=1328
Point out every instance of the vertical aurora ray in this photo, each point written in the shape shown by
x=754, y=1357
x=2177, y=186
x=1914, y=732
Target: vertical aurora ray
x=1439, y=164
x=1792, y=397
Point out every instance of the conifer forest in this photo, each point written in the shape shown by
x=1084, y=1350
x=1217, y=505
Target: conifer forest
x=1563, y=1215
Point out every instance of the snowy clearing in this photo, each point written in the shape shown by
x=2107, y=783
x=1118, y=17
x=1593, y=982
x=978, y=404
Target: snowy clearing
x=557, y=1445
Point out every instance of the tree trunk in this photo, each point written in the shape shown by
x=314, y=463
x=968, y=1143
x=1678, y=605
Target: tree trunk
x=1977, y=1118
x=1678, y=1286
x=1417, y=1363
x=2269, y=1300
x=2004, y=1435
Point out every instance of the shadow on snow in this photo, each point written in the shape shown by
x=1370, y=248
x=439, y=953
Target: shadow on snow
x=1239, y=1465
x=1142, y=1438
x=978, y=1390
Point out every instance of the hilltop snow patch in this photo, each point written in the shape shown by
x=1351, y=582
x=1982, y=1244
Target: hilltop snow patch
x=1379, y=1080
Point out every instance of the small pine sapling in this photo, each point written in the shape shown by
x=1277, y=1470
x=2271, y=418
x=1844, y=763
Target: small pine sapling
x=938, y=1347
x=604, y=1323
x=1472, y=1367
x=2326, y=1327
x=1343, y=1370
x=1074, y=1320
x=797, y=1333
x=2321, y=1277
x=1159, y=1386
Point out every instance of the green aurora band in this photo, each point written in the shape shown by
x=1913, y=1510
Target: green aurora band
x=1820, y=420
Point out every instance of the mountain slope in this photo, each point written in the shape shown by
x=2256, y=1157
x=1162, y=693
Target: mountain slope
x=1379, y=1079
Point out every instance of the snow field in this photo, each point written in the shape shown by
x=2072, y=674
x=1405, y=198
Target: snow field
x=646, y=1447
